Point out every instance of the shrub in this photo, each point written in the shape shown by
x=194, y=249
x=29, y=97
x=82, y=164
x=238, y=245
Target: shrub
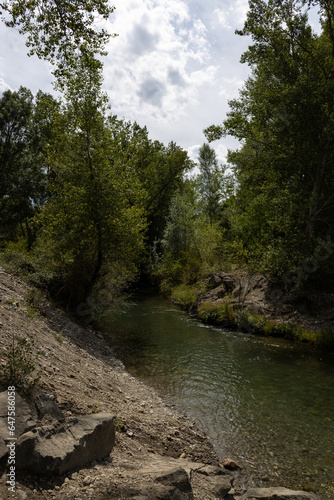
x=184, y=295
x=20, y=366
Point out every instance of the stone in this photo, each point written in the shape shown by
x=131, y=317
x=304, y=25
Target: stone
x=21, y=495
x=25, y=419
x=219, y=481
x=231, y=464
x=221, y=485
x=46, y=406
x=57, y=448
x=214, y=470
x=278, y=494
x=175, y=477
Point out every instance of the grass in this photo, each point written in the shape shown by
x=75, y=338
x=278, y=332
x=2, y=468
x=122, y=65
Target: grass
x=227, y=315
x=185, y=295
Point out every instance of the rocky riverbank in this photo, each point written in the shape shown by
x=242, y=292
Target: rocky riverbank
x=156, y=453
x=259, y=304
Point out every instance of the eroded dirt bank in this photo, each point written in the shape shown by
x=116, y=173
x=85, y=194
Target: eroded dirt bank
x=82, y=374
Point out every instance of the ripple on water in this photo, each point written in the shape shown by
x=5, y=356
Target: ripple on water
x=262, y=402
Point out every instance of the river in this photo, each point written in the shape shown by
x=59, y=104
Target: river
x=265, y=402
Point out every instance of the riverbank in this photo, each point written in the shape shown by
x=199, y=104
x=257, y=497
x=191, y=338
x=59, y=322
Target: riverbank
x=260, y=305
x=81, y=374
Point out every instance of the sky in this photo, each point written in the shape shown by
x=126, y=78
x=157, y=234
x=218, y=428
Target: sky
x=173, y=67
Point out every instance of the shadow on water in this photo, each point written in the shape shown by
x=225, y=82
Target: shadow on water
x=265, y=402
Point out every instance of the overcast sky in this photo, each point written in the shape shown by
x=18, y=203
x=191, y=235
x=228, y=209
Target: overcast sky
x=173, y=67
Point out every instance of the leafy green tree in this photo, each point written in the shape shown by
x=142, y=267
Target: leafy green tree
x=284, y=121
x=94, y=226
x=25, y=128
x=191, y=243
x=61, y=32
x=158, y=169
x=214, y=185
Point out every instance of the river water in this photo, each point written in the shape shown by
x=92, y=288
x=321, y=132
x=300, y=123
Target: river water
x=265, y=402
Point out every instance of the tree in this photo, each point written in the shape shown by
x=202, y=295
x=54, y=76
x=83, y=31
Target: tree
x=285, y=122
x=213, y=184
x=61, y=32
x=94, y=227
x=25, y=127
x=191, y=243
x=157, y=168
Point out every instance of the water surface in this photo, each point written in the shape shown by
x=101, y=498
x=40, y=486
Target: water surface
x=265, y=402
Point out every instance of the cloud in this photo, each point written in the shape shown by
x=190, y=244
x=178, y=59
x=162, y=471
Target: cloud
x=232, y=15
x=173, y=66
x=4, y=86
x=152, y=91
x=141, y=41
x=175, y=77
x=146, y=69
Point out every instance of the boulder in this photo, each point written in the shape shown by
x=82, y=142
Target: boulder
x=278, y=494
x=219, y=481
x=221, y=485
x=176, y=478
x=214, y=470
x=46, y=406
x=25, y=419
x=55, y=449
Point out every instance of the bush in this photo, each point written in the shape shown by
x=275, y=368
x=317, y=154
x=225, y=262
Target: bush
x=184, y=295
x=20, y=366
x=221, y=313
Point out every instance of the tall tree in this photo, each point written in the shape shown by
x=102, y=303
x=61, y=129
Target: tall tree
x=89, y=216
x=25, y=129
x=284, y=119
x=214, y=185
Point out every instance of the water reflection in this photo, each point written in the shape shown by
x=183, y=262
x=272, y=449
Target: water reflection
x=262, y=401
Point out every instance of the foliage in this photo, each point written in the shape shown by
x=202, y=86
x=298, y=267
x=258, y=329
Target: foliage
x=20, y=366
x=62, y=33
x=190, y=244
x=25, y=129
x=230, y=316
x=284, y=120
x=213, y=184
x=186, y=295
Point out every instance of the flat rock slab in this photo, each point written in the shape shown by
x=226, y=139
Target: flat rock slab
x=278, y=494
x=55, y=449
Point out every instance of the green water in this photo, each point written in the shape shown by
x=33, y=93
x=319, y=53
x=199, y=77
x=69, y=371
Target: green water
x=267, y=403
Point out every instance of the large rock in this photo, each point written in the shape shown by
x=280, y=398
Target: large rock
x=177, y=478
x=46, y=406
x=219, y=481
x=278, y=494
x=25, y=419
x=55, y=449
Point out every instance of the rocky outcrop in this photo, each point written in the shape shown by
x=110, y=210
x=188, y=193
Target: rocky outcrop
x=25, y=419
x=63, y=446
x=45, y=406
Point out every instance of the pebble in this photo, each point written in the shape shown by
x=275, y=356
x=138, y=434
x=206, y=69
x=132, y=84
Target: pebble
x=87, y=480
x=21, y=495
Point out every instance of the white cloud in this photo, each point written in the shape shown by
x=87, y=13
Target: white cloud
x=4, y=86
x=160, y=61
x=232, y=14
x=172, y=68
